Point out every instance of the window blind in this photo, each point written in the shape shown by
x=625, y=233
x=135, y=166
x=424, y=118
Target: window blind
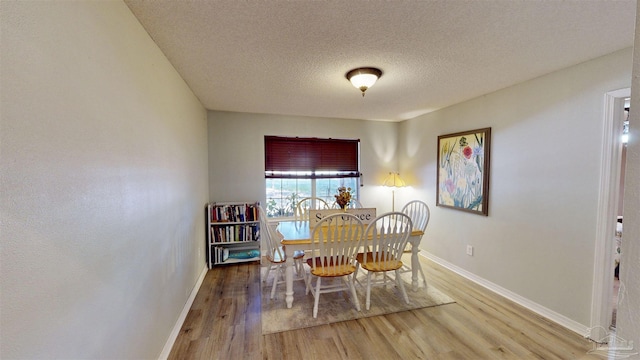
x=297, y=157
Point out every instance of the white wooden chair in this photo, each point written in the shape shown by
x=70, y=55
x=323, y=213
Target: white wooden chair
x=275, y=254
x=306, y=204
x=334, y=241
x=419, y=213
x=387, y=237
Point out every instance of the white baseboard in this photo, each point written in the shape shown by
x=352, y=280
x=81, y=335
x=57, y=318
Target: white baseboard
x=560, y=319
x=183, y=315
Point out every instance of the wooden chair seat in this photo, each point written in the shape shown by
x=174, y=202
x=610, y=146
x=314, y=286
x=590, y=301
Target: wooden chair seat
x=327, y=268
x=367, y=261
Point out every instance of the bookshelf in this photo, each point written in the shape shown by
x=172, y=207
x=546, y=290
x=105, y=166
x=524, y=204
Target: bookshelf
x=233, y=232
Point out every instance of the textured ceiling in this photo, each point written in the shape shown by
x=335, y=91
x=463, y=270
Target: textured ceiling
x=290, y=57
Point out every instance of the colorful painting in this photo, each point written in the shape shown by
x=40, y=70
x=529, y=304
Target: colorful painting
x=463, y=171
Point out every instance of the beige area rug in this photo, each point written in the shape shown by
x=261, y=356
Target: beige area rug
x=338, y=306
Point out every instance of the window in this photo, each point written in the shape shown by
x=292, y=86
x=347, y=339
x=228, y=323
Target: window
x=296, y=168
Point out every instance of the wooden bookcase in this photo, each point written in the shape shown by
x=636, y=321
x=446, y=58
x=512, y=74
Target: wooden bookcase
x=233, y=232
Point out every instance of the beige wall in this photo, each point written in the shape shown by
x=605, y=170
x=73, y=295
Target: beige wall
x=236, y=152
x=538, y=240
x=103, y=174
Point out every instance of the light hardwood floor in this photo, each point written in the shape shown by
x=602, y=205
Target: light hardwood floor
x=224, y=323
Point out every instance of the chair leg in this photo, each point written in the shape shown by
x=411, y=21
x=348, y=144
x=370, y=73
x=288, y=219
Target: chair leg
x=401, y=286
x=353, y=292
x=299, y=266
x=307, y=282
x=355, y=273
x=368, y=303
x=266, y=276
x=302, y=271
x=317, y=298
x=275, y=282
x=424, y=279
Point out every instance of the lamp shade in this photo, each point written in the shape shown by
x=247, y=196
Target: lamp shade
x=394, y=180
x=363, y=78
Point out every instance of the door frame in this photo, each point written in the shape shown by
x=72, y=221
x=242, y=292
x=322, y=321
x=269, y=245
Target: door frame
x=608, y=201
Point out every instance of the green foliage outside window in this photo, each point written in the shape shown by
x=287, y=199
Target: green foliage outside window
x=284, y=194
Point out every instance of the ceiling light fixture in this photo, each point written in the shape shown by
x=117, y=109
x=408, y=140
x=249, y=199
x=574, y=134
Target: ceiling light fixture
x=364, y=78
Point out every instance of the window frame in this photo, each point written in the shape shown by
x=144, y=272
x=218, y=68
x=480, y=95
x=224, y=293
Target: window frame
x=314, y=159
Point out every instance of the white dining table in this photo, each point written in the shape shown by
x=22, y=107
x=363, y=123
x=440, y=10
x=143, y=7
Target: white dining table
x=296, y=235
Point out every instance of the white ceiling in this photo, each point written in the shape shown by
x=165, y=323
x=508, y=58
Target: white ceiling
x=291, y=57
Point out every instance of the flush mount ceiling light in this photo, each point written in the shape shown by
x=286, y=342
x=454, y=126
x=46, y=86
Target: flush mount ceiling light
x=364, y=78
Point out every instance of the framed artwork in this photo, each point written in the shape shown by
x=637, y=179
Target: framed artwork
x=463, y=171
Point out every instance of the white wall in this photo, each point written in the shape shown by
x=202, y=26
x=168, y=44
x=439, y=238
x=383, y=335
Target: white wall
x=103, y=181
x=538, y=240
x=236, y=152
x=628, y=319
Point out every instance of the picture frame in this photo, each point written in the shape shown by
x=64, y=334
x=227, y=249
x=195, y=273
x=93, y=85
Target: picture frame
x=463, y=171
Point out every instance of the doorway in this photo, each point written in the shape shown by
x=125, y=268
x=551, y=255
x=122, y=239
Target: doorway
x=609, y=205
x=619, y=224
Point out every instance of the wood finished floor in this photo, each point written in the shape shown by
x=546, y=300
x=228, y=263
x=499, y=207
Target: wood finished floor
x=224, y=323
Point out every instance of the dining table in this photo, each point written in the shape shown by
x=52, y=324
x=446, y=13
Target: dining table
x=296, y=235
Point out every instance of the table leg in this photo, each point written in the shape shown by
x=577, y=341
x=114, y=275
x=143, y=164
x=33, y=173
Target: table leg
x=415, y=263
x=289, y=280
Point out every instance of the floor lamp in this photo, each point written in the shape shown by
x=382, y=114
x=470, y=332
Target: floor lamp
x=394, y=181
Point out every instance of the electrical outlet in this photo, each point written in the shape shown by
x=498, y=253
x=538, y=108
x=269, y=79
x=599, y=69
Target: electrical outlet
x=469, y=250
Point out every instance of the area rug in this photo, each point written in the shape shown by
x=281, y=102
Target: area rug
x=338, y=306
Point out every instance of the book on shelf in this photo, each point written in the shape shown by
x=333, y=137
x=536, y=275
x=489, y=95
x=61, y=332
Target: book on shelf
x=234, y=212
x=235, y=233
x=221, y=254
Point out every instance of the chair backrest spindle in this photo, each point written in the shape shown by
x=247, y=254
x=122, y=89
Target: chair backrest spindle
x=309, y=203
x=388, y=236
x=419, y=213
